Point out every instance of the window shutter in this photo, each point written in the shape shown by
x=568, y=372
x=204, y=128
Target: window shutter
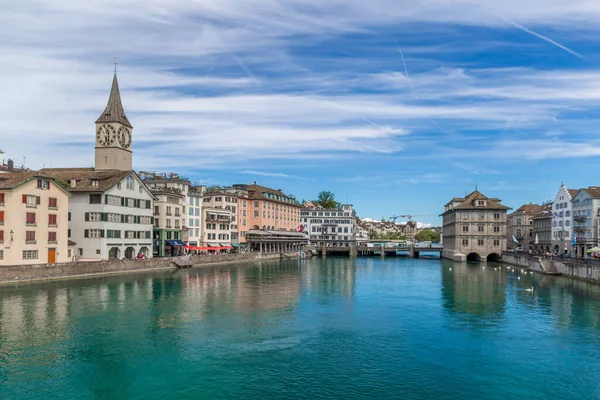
x=38, y=200
x=122, y=201
x=105, y=199
x=48, y=184
x=152, y=220
x=24, y=199
x=86, y=232
x=87, y=216
x=148, y=204
x=102, y=233
x=104, y=217
x=122, y=218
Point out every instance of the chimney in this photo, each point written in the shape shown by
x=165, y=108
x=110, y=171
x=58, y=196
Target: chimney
x=72, y=183
x=11, y=165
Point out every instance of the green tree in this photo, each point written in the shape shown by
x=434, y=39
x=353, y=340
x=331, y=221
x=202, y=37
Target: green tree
x=428, y=235
x=326, y=200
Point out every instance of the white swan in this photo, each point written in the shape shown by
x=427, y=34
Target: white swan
x=450, y=269
x=529, y=290
x=518, y=277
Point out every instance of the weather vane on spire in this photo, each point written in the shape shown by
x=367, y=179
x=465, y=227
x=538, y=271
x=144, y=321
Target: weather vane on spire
x=115, y=65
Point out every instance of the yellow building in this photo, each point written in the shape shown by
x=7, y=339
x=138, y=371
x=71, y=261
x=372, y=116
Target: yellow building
x=33, y=219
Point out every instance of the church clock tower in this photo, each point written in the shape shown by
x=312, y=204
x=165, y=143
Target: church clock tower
x=113, y=134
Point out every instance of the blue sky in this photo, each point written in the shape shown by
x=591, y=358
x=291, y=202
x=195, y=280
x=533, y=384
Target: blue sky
x=397, y=106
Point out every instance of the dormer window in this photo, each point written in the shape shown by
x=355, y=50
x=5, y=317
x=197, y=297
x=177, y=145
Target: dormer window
x=480, y=203
x=43, y=184
x=95, y=182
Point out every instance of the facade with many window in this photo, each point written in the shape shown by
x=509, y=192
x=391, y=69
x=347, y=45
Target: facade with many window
x=265, y=208
x=520, y=226
x=585, y=220
x=562, y=221
x=329, y=227
x=33, y=220
x=219, y=212
x=194, y=215
x=474, y=228
x=110, y=213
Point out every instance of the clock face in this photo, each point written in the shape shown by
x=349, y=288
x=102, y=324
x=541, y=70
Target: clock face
x=124, y=136
x=106, y=135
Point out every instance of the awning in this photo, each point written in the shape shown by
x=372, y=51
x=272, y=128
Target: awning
x=238, y=245
x=175, y=243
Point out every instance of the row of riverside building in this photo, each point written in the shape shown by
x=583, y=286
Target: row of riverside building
x=110, y=211
x=479, y=228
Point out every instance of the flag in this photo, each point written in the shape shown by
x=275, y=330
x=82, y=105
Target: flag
x=515, y=239
x=574, y=238
x=537, y=240
x=555, y=214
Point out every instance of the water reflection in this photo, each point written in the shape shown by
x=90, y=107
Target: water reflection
x=473, y=291
x=331, y=276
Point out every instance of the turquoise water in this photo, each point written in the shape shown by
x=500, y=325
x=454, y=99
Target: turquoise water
x=315, y=329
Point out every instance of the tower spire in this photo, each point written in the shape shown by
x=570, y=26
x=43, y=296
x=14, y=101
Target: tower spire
x=114, y=111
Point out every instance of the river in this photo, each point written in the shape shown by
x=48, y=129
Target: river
x=313, y=329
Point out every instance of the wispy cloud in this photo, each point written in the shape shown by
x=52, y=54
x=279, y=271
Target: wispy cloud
x=271, y=174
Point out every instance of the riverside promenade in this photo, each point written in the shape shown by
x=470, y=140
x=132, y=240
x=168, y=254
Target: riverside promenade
x=580, y=268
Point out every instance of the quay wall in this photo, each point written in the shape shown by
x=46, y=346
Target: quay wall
x=35, y=272
x=573, y=267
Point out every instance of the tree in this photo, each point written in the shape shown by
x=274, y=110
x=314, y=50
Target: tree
x=428, y=235
x=326, y=200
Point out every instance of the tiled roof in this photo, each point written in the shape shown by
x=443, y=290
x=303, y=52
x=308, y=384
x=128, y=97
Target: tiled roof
x=83, y=177
x=13, y=179
x=114, y=111
x=256, y=192
x=529, y=209
x=572, y=192
x=468, y=203
x=594, y=192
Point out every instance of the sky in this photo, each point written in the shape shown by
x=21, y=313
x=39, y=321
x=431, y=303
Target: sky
x=396, y=106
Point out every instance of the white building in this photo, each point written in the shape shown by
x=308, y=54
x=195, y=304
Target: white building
x=219, y=212
x=329, y=227
x=110, y=210
x=585, y=221
x=194, y=215
x=562, y=220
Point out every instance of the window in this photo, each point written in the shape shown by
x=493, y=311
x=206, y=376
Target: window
x=30, y=254
x=465, y=215
x=177, y=212
x=1, y=217
x=480, y=228
x=496, y=229
x=169, y=211
x=1, y=198
x=96, y=198
x=52, y=202
x=129, y=181
x=496, y=242
x=51, y=237
x=497, y=216
x=1, y=236
x=43, y=184
x=465, y=242
x=95, y=182
x=30, y=219
x=68, y=233
x=176, y=223
x=30, y=237
x=465, y=228
x=479, y=242
x=52, y=219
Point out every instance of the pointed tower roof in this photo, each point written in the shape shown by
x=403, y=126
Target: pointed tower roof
x=114, y=111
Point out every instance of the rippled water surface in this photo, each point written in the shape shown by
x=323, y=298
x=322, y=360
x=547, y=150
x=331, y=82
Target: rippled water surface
x=335, y=328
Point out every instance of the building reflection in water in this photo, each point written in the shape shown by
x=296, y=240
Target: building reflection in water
x=334, y=275
x=472, y=292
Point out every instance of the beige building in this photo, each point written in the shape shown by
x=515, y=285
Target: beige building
x=520, y=226
x=219, y=212
x=33, y=220
x=474, y=228
x=542, y=229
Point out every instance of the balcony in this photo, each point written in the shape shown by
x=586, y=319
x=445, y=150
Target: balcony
x=30, y=224
x=30, y=241
x=580, y=218
x=52, y=225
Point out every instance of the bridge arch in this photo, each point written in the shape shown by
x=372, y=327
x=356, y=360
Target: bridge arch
x=473, y=257
x=495, y=257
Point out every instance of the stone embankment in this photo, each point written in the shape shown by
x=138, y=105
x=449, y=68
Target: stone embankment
x=19, y=273
x=587, y=269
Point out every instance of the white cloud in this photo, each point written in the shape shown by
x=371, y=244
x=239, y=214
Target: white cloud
x=193, y=80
